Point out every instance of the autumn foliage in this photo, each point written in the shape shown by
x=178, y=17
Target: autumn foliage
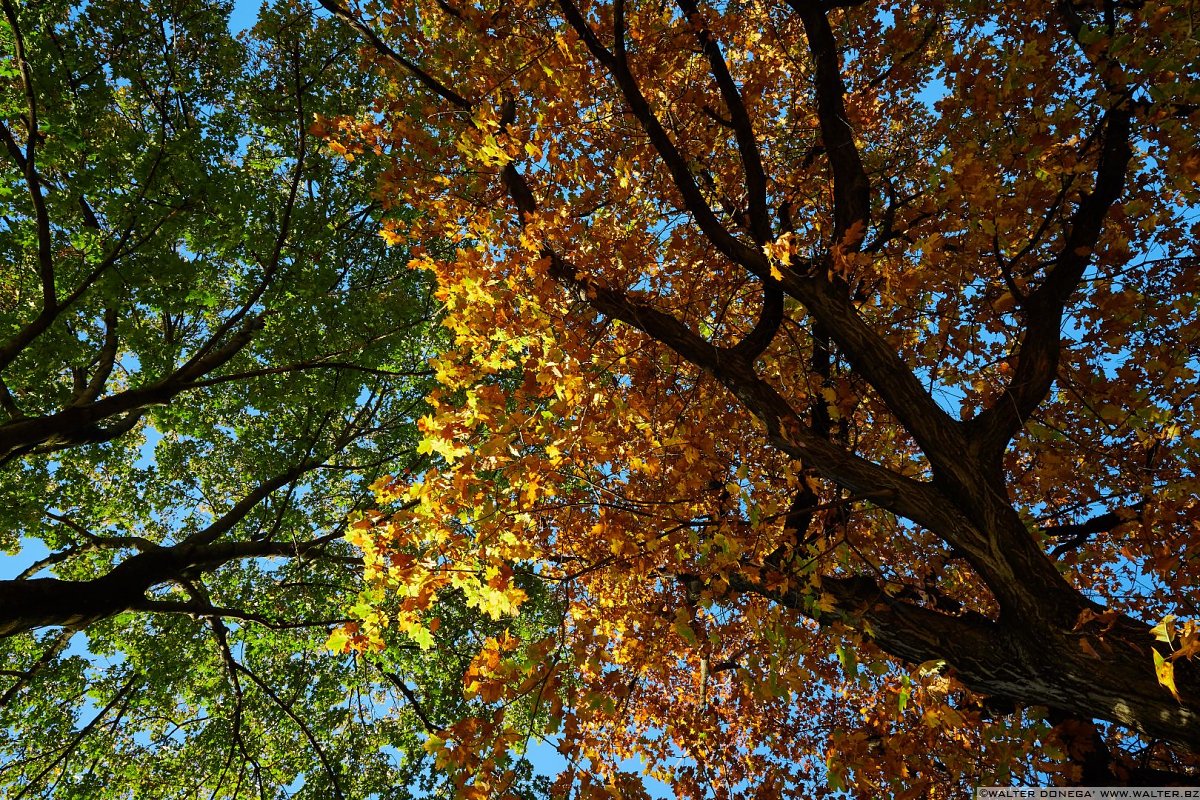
x=832, y=364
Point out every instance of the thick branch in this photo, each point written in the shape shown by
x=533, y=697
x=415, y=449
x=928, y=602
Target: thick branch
x=770, y=317
x=1038, y=355
x=9, y=403
x=867, y=351
x=1031, y=652
x=916, y=501
x=982, y=526
x=76, y=425
x=1015, y=661
x=39, y=602
x=851, y=188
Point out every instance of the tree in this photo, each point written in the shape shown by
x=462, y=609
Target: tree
x=207, y=356
x=833, y=363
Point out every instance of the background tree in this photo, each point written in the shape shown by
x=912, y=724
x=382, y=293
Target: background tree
x=834, y=361
x=207, y=355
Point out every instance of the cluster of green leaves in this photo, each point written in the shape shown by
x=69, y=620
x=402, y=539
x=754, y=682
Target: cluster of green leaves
x=204, y=344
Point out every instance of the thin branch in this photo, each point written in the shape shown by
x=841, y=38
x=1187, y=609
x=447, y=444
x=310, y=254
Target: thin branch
x=312, y=740
x=739, y=121
x=99, y=543
x=676, y=163
x=28, y=161
x=204, y=609
x=70, y=748
x=1038, y=356
x=1077, y=534
x=139, y=542
x=243, y=507
x=414, y=702
x=221, y=634
x=48, y=655
x=302, y=366
x=382, y=47
x=205, y=359
x=105, y=360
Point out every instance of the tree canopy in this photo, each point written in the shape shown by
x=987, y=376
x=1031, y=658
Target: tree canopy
x=790, y=397
x=207, y=354
x=833, y=363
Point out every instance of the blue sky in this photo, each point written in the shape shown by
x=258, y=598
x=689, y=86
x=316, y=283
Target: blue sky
x=245, y=13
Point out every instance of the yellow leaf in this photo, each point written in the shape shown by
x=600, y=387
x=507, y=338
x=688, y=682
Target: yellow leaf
x=1165, y=630
x=1165, y=670
x=932, y=667
x=380, y=485
x=338, y=640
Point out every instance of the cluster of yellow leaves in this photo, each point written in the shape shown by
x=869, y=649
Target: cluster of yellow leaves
x=1184, y=641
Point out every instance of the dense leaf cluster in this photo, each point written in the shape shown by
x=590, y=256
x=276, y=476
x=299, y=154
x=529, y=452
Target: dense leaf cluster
x=207, y=354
